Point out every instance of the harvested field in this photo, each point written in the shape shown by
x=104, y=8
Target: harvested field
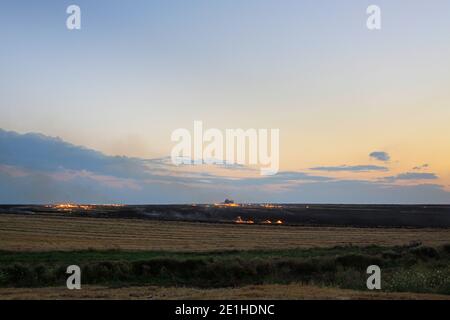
x=47, y=233
x=275, y=291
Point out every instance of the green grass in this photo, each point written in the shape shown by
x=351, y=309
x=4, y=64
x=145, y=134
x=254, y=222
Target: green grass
x=412, y=268
x=68, y=257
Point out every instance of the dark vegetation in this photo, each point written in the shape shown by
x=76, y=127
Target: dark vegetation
x=417, y=216
x=413, y=268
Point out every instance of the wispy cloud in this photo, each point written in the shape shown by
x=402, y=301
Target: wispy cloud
x=412, y=176
x=357, y=168
x=421, y=167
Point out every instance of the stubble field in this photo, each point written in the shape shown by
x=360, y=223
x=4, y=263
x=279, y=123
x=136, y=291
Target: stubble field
x=49, y=233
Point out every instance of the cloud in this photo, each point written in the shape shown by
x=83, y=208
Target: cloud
x=38, y=169
x=413, y=176
x=295, y=176
x=38, y=152
x=283, y=178
x=423, y=166
x=108, y=181
x=380, y=156
x=364, y=192
x=357, y=168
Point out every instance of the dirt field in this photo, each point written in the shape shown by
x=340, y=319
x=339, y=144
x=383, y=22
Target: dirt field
x=278, y=292
x=45, y=233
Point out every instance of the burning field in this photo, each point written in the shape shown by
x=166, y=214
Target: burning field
x=374, y=216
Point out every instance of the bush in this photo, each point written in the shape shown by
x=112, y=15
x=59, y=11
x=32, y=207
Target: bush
x=358, y=261
x=391, y=255
x=349, y=279
x=3, y=277
x=325, y=264
x=296, y=267
x=224, y=273
x=446, y=248
x=419, y=280
x=413, y=244
x=425, y=253
x=44, y=275
x=20, y=275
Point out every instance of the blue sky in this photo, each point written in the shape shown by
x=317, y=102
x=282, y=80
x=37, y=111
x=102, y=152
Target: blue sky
x=138, y=70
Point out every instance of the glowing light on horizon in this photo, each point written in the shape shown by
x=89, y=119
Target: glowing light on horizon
x=85, y=207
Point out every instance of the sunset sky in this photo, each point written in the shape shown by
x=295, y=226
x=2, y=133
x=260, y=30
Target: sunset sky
x=364, y=116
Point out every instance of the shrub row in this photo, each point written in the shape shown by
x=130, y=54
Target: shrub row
x=344, y=270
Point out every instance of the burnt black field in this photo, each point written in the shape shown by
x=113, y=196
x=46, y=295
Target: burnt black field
x=412, y=216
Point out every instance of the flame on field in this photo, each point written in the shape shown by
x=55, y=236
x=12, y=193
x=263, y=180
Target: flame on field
x=85, y=207
x=269, y=206
x=70, y=207
x=227, y=205
x=239, y=220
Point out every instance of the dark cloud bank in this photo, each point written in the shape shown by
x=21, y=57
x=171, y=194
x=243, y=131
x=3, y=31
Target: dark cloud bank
x=38, y=169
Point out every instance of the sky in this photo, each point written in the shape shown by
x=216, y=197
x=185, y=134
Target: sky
x=363, y=115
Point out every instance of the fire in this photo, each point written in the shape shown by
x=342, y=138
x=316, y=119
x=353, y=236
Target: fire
x=240, y=221
x=71, y=206
x=226, y=205
x=85, y=207
x=269, y=206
